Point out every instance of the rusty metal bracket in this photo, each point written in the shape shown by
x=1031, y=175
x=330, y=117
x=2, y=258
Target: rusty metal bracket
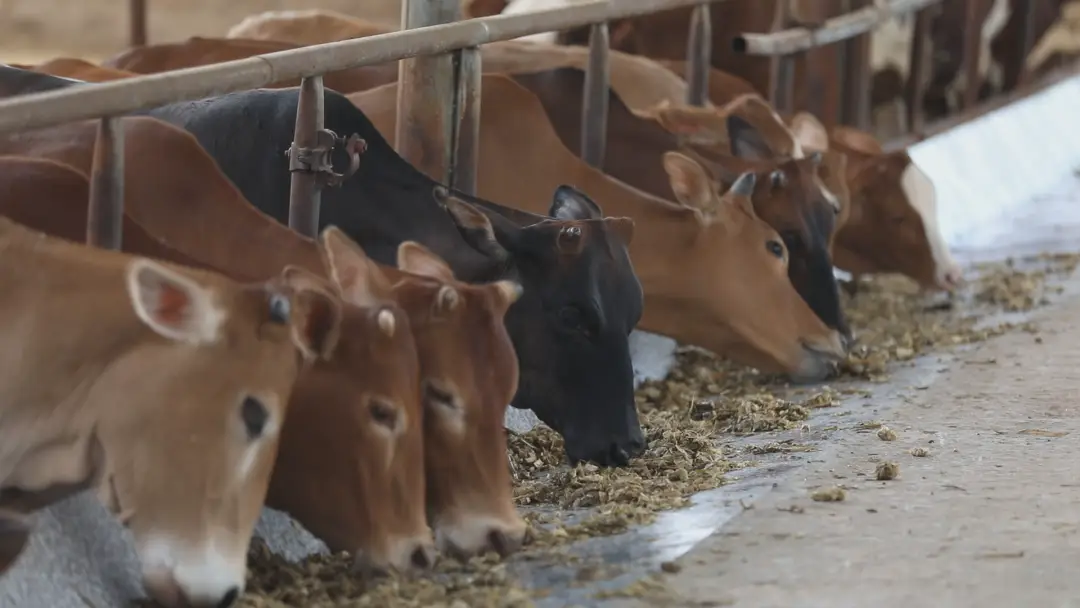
x=317, y=159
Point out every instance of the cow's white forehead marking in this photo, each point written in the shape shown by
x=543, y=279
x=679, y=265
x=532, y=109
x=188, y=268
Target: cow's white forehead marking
x=922, y=197
x=270, y=430
x=829, y=195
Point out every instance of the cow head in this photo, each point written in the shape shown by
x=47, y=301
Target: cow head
x=581, y=300
x=469, y=373
x=351, y=467
x=190, y=419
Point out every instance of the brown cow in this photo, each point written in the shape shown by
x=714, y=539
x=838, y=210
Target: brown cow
x=895, y=227
x=165, y=389
x=374, y=359
x=80, y=69
x=196, y=51
x=892, y=226
x=790, y=194
x=304, y=27
x=727, y=258
x=469, y=492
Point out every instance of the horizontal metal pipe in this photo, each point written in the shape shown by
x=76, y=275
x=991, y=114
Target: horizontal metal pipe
x=786, y=42
x=130, y=94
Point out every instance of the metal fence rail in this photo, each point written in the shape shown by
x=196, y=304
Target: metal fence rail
x=453, y=130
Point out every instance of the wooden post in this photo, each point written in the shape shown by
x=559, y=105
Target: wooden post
x=918, y=72
x=104, y=217
x=137, y=22
x=856, y=87
x=426, y=96
x=970, y=64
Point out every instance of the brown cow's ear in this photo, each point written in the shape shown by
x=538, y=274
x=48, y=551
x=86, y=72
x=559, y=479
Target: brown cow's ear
x=317, y=328
x=746, y=141
x=360, y=279
x=417, y=259
x=700, y=126
x=175, y=306
x=858, y=141
x=474, y=225
x=509, y=292
x=689, y=181
x=809, y=132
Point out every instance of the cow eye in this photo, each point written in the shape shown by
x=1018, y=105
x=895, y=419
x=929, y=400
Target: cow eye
x=384, y=414
x=776, y=248
x=280, y=309
x=438, y=395
x=254, y=415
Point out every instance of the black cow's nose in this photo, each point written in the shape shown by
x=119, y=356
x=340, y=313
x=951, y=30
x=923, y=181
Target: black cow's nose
x=637, y=446
x=230, y=597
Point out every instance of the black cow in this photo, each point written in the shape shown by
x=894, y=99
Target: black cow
x=581, y=297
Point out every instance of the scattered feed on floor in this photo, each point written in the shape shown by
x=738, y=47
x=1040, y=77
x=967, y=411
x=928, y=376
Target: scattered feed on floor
x=887, y=471
x=830, y=494
x=920, y=452
x=886, y=434
x=686, y=419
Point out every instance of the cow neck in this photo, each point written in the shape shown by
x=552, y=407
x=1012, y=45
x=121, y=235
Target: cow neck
x=49, y=271
x=398, y=205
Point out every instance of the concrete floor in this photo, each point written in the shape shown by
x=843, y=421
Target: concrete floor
x=990, y=518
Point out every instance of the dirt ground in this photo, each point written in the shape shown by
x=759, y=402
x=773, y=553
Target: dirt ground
x=988, y=518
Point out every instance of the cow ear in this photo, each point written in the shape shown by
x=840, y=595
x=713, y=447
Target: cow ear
x=569, y=203
x=809, y=132
x=746, y=141
x=689, y=181
x=417, y=259
x=316, y=327
x=361, y=281
x=474, y=225
x=175, y=306
x=508, y=292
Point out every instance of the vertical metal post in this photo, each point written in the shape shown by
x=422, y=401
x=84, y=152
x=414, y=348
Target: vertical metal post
x=782, y=70
x=780, y=20
x=137, y=22
x=594, y=107
x=425, y=95
x=699, y=55
x=466, y=157
x=304, y=194
x=1026, y=41
x=917, y=74
x=104, y=217
x=970, y=64
x=856, y=87
x=783, y=93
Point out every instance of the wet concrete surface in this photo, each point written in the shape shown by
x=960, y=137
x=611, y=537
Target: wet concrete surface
x=640, y=551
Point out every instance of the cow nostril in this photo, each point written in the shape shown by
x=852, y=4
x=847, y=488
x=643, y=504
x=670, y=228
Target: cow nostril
x=637, y=446
x=499, y=542
x=420, y=559
x=230, y=597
